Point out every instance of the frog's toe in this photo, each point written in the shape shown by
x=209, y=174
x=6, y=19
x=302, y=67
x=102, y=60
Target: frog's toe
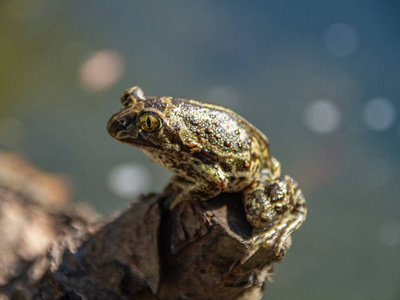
x=268, y=239
x=249, y=253
x=278, y=245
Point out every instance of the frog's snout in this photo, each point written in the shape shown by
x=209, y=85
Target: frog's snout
x=116, y=125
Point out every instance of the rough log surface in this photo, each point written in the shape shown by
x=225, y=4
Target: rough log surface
x=144, y=252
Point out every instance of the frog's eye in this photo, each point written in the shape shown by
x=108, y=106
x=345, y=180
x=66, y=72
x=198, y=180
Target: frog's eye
x=150, y=122
x=126, y=99
x=131, y=95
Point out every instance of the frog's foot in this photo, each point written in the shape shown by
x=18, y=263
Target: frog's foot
x=267, y=239
x=276, y=208
x=275, y=237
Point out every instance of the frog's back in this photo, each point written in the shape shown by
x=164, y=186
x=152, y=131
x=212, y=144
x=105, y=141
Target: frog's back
x=224, y=138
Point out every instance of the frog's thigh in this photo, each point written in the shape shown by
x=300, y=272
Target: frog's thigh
x=210, y=184
x=277, y=205
x=260, y=209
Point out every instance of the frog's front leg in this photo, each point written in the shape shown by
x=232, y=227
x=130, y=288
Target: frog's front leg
x=213, y=183
x=276, y=208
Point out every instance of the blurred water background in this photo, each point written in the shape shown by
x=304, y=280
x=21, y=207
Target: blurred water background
x=320, y=78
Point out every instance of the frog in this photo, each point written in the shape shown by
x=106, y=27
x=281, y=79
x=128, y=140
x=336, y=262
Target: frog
x=211, y=150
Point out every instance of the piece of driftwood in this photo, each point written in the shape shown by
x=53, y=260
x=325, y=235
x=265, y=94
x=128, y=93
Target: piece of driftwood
x=143, y=252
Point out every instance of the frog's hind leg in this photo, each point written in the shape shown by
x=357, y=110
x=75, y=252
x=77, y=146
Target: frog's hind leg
x=276, y=208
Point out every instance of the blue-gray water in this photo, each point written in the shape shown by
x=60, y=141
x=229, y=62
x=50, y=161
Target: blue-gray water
x=320, y=78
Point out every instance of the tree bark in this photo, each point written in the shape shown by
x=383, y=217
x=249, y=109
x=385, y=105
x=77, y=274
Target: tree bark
x=144, y=252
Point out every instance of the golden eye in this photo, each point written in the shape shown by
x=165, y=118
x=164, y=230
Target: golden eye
x=150, y=122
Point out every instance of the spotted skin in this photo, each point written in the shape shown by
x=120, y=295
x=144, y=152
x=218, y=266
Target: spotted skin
x=211, y=149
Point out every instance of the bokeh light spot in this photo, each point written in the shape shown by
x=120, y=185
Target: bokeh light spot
x=101, y=70
x=128, y=180
x=389, y=233
x=341, y=39
x=322, y=116
x=379, y=114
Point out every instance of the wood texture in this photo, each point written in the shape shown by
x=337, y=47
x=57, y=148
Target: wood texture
x=144, y=252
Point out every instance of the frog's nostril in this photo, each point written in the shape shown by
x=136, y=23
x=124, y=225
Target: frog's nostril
x=122, y=122
x=114, y=126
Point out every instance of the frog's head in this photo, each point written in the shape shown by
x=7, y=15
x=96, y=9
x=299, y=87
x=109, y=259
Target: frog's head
x=144, y=122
